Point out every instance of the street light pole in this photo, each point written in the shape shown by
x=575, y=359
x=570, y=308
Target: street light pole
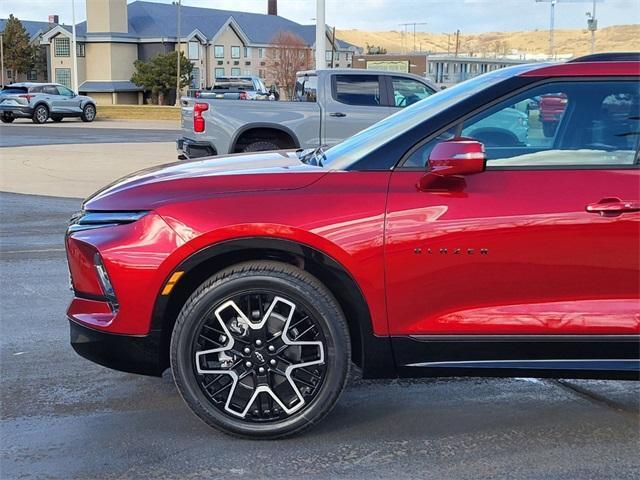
x=320, y=35
x=74, y=48
x=179, y=4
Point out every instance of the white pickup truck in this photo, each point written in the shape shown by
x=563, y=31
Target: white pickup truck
x=329, y=106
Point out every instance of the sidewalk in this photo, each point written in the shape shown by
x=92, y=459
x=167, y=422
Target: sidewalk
x=76, y=171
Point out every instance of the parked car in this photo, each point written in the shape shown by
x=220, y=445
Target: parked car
x=552, y=107
x=410, y=249
x=41, y=101
x=330, y=105
x=236, y=88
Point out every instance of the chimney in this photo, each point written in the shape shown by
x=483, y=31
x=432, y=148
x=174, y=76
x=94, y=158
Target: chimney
x=273, y=7
x=54, y=19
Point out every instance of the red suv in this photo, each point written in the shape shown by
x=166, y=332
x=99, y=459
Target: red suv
x=437, y=242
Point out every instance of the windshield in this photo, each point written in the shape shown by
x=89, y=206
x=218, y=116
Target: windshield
x=344, y=154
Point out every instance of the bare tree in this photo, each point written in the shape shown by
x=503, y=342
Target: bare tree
x=288, y=55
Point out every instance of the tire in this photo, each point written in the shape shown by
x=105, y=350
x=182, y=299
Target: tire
x=7, y=118
x=40, y=114
x=88, y=113
x=549, y=128
x=261, y=146
x=281, y=386
x=56, y=117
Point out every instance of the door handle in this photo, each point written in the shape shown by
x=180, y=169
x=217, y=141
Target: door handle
x=337, y=114
x=609, y=207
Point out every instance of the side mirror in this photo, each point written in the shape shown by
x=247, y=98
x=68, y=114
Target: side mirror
x=460, y=156
x=451, y=159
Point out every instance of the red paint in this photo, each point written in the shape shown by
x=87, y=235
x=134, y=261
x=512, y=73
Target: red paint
x=499, y=252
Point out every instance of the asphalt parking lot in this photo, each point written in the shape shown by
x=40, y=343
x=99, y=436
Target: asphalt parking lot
x=63, y=417
x=71, y=131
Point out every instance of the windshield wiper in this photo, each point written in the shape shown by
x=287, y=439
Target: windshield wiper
x=312, y=156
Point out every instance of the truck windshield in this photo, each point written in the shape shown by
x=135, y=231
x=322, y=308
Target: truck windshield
x=347, y=153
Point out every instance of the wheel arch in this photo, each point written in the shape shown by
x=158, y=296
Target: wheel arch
x=369, y=352
x=278, y=131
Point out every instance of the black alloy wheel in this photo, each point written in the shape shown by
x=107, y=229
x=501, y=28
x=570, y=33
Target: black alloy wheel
x=261, y=350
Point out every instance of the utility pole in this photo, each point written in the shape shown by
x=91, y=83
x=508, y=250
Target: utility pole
x=74, y=47
x=321, y=35
x=2, y=57
x=405, y=25
x=592, y=26
x=179, y=4
x=333, y=45
x=457, y=43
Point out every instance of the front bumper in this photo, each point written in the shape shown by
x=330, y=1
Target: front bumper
x=128, y=353
x=188, y=149
x=16, y=110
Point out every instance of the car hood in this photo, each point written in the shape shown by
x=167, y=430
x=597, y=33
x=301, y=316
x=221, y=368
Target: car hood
x=196, y=179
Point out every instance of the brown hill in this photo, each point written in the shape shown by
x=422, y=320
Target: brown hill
x=567, y=41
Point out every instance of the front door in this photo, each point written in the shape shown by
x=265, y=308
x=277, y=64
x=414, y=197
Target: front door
x=545, y=242
x=66, y=101
x=354, y=103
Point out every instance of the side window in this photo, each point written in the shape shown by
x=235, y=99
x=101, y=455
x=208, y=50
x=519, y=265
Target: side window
x=407, y=91
x=362, y=90
x=50, y=90
x=562, y=124
x=557, y=124
x=307, y=89
x=64, y=91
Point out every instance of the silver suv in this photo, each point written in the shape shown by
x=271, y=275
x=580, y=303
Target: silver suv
x=41, y=101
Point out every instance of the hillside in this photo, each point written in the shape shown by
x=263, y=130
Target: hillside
x=568, y=42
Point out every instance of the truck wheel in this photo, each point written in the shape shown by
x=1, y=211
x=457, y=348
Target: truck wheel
x=40, y=114
x=261, y=146
x=261, y=350
x=7, y=118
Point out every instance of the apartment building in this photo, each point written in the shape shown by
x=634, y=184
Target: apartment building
x=217, y=42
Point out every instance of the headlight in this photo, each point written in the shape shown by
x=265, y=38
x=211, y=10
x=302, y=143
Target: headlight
x=87, y=220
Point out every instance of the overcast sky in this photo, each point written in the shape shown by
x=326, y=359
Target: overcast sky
x=440, y=15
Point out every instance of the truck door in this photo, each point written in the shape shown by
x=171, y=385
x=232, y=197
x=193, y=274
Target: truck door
x=355, y=102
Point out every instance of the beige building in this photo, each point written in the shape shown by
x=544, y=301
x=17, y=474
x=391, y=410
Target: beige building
x=217, y=42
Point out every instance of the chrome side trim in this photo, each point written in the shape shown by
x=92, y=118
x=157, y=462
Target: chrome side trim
x=547, y=364
x=524, y=338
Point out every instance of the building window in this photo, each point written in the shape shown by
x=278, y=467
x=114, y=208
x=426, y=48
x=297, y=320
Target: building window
x=235, y=52
x=235, y=72
x=195, y=77
x=32, y=75
x=261, y=53
x=194, y=51
x=327, y=55
x=62, y=47
x=218, y=51
x=80, y=49
x=219, y=72
x=63, y=76
x=336, y=56
x=9, y=73
x=247, y=52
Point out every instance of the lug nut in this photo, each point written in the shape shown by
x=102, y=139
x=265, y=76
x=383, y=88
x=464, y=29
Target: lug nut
x=223, y=338
x=261, y=370
x=272, y=348
x=248, y=364
x=258, y=342
x=273, y=362
x=247, y=350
